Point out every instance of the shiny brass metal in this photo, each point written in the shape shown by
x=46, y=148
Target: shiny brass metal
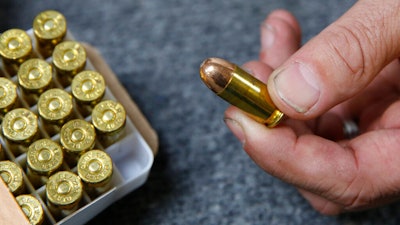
x=95, y=168
x=240, y=89
x=32, y=208
x=15, y=48
x=11, y=174
x=88, y=88
x=34, y=77
x=69, y=58
x=64, y=191
x=44, y=157
x=50, y=28
x=8, y=96
x=55, y=107
x=109, y=117
x=77, y=136
x=20, y=128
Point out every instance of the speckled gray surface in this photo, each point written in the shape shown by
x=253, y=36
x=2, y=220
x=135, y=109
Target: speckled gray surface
x=201, y=175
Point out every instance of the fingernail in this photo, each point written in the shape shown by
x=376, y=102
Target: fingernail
x=297, y=87
x=268, y=36
x=236, y=129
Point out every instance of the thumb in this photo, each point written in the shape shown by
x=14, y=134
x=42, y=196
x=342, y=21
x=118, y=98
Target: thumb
x=340, y=61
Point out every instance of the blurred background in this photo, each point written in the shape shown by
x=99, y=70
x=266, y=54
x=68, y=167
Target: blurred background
x=201, y=174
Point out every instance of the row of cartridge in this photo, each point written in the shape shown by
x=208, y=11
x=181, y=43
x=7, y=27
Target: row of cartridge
x=55, y=122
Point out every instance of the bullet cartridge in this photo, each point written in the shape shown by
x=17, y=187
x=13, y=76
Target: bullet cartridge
x=49, y=28
x=8, y=96
x=32, y=208
x=240, y=89
x=63, y=192
x=77, y=136
x=12, y=175
x=55, y=107
x=20, y=128
x=15, y=48
x=95, y=168
x=109, y=117
x=44, y=157
x=88, y=88
x=34, y=77
x=69, y=58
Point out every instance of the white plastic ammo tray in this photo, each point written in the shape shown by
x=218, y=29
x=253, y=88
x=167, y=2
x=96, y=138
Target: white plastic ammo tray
x=132, y=159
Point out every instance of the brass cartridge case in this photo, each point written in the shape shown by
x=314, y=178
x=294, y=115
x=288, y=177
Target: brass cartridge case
x=32, y=208
x=12, y=175
x=15, y=48
x=44, y=157
x=64, y=191
x=55, y=107
x=20, y=128
x=50, y=28
x=240, y=89
x=34, y=77
x=8, y=96
x=88, y=88
x=109, y=117
x=69, y=58
x=77, y=136
x=95, y=168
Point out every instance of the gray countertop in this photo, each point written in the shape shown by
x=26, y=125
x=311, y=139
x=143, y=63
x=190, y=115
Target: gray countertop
x=201, y=175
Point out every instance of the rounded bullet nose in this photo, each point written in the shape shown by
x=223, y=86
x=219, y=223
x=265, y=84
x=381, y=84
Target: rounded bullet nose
x=216, y=73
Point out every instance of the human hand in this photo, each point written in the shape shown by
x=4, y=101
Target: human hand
x=349, y=71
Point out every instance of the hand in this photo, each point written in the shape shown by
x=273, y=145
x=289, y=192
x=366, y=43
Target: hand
x=349, y=71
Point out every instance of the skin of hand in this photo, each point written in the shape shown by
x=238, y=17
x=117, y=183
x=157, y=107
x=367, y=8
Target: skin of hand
x=351, y=71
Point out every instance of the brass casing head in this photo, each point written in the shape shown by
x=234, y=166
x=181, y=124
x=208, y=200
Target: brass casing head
x=8, y=95
x=64, y=190
x=35, y=75
x=240, y=89
x=95, y=168
x=15, y=46
x=50, y=27
x=32, y=208
x=88, y=87
x=77, y=136
x=108, y=117
x=20, y=125
x=44, y=157
x=69, y=58
x=11, y=174
x=55, y=105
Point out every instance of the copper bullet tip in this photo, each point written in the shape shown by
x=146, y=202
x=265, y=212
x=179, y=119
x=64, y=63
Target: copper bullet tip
x=216, y=73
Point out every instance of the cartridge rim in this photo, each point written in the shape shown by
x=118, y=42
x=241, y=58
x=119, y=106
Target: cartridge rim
x=15, y=44
x=35, y=75
x=108, y=116
x=11, y=174
x=50, y=25
x=64, y=189
x=31, y=207
x=77, y=136
x=69, y=57
x=95, y=167
x=20, y=125
x=55, y=105
x=8, y=94
x=44, y=157
x=88, y=86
